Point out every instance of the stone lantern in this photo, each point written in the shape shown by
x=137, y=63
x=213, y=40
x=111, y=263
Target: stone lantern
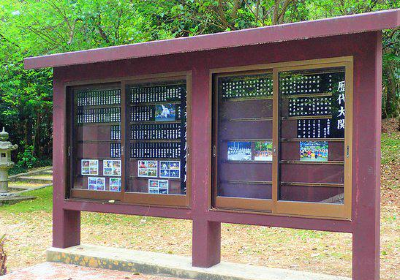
x=5, y=160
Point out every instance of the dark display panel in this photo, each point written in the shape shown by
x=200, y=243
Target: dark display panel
x=157, y=138
x=244, y=136
x=311, y=130
x=246, y=86
x=96, y=144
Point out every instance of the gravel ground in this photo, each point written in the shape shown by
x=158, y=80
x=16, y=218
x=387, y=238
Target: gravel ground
x=55, y=271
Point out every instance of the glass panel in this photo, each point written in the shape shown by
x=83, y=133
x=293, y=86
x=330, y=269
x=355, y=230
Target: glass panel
x=244, y=137
x=312, y=122
x=157, y=123
x=97, y=139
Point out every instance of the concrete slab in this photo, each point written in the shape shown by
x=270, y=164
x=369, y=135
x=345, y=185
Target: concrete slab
x=57, y=271
x=39, y=180
x=14, y=199
x=177, y=266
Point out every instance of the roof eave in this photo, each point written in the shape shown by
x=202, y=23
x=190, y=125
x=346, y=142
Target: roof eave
x=271, y=34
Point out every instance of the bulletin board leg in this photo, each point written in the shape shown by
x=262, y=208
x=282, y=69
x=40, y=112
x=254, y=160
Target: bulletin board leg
x=66, y=228
x=206, y=241
x=366, y=255
x=366, y=216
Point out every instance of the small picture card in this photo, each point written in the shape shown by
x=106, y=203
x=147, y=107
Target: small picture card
x=97, y=183
x=170, y=169
x=158, y=186
x=165, y=112
x=263, y=151
x=163, y=186
x=314, y=151
x=239, y=151
x=89, y=167
x=111, y=167
x=153, y=186
x=115, y=184
x=147, y=168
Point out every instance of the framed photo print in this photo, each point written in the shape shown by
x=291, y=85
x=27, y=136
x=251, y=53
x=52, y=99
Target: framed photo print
x=314, y=151
x=263, y=151
x=158, y=186
x=170, y=169
x=165, y=112
x=97, y=183
x=115, y=185
x=111, y=167
x=147, y=168
x=163, y=186
x=89, y=167
x=239, y=151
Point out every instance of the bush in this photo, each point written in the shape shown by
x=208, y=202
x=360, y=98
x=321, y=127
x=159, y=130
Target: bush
x=3, y=256
x=27, y=159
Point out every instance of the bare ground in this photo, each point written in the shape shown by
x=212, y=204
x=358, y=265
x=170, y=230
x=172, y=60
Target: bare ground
x=29, y=234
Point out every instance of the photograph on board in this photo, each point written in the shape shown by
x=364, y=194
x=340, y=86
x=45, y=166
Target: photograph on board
x=314, y=151
x=115, y=185
x=97, y=183
x=111, y=167
x=147, y=168
x=89, y=167
x=165, y=112
x=170, y=169
x=239, y=151
x=263, y=151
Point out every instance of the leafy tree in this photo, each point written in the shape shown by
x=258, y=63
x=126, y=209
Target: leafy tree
x=31, y=27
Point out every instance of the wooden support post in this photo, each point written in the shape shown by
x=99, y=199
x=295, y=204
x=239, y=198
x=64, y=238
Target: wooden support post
x=206, y=240
x=366, y=214
x=206, y=248
x=66, y=228
x=66, y=223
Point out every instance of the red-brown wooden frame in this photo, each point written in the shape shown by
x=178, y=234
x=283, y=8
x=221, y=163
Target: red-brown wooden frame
x=367, y=52
x=123, y=196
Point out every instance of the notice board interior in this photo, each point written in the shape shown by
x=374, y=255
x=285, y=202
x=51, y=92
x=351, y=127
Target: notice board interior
x=129, y=142
x=282, y=139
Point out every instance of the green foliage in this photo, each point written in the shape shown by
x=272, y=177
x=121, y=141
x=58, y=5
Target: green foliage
x=31, y=27
x=43, y=202
x=390, y=148
x=21, y=168
x=27, y=159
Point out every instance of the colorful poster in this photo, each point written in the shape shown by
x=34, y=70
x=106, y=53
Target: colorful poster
x=115, y=184
x=170, y=169
x=111, y=167
x=96, y=183
x=147, y=168
x=239, y=151
x=163, y=186
x=89, y=167
x=165, y=112
x=263, y=151
x=158, y=186
x=314, y=151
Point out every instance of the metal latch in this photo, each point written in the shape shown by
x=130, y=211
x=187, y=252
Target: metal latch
x=214, y=151
x=348, y=151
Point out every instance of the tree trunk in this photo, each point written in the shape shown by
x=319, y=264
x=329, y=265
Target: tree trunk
x=392, y=105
